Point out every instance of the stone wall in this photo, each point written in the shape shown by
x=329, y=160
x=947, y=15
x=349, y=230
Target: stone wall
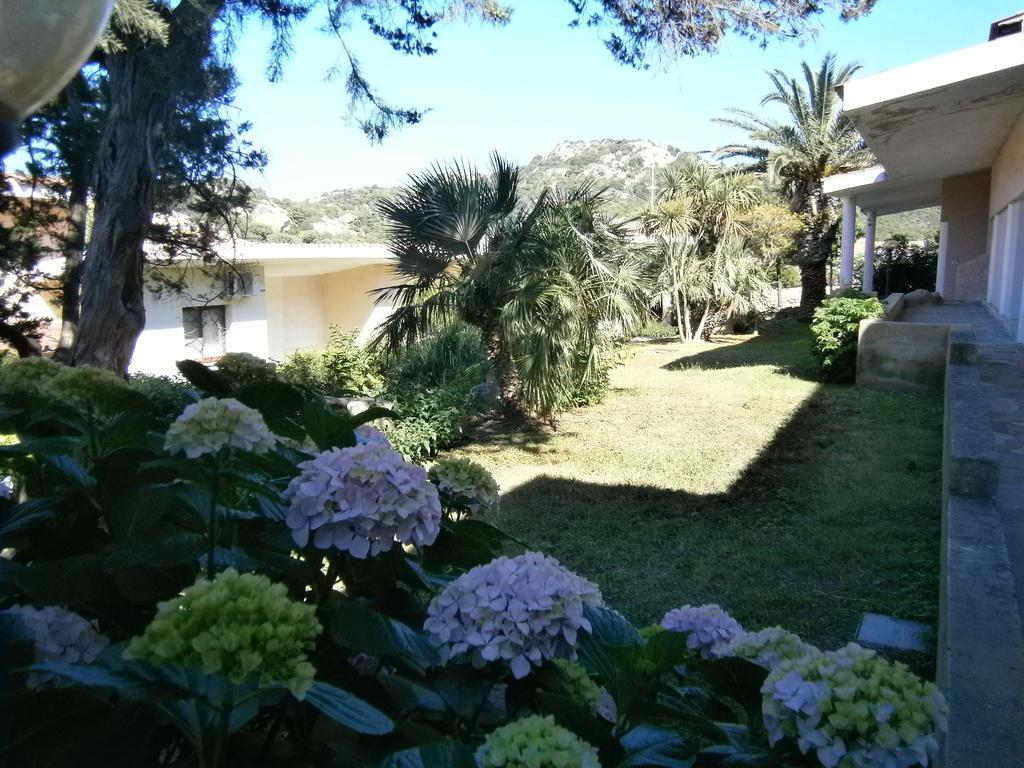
x=902, y=357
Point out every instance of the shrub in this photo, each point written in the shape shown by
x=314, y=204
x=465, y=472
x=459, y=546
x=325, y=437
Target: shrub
x=397, y=654
x=435, y=383
x=169, y=394
x=834, y=331
x=342, y=368
x=452, y=356
x=243, y=368
x=655, y=329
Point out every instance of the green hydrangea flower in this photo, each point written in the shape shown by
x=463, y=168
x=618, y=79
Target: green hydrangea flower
x=86, y=388
x=238, y=626
x=770, y=647
x=853, y=708
x=535, y=742
x=27, y=376
x=214, y=424
x=465, y=486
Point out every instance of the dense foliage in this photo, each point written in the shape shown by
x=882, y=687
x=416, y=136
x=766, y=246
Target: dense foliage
x=902, y=266
x=812, y=140
x=343, y=367
x=193, y=614
x=834, y=334
x=541, y=282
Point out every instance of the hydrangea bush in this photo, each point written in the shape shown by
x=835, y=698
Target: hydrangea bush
x=209, y=426
x=58, y=635
x=465, y=486
x=853, y=709
x=535, y=742
x=708, y=628
x=361, y=500
x=450, y=635
x=517, y=610
x=236, y=625
x=770, y=647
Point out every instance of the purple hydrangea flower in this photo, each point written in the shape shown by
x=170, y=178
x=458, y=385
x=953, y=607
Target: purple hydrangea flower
x=362, y=500
x=61, y=636
x=367, y=435
x=517, y=610
x=709, y=629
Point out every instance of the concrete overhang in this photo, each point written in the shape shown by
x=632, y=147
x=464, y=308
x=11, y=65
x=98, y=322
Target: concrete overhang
x=941, y=117
x=875, y=191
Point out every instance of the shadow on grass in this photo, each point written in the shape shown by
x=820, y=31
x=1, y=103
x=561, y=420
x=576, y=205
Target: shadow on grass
x=832, y=519
x=782, y=346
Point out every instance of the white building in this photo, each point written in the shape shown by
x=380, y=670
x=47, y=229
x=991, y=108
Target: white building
x=273, y=300
x=948, y=131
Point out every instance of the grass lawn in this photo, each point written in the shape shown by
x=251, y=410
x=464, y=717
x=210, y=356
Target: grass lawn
x=723, y=472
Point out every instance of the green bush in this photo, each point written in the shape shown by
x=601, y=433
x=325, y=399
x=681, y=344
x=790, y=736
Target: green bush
x=243, y=368
x=834, y=332
x=167, y=590
x=434, y=382
x=593, y=387
x=343, y=368
x=169, y=394
x=655, y=329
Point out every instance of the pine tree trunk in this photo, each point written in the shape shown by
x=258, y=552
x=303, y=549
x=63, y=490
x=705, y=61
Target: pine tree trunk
x=74, y=253
x=144, y=84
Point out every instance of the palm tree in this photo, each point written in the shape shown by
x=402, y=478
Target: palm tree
x=814, y=140
x=539, y=281
x=699, y=220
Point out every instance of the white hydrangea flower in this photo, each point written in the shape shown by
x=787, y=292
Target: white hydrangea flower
x=61, y=636
x=6, y=487
x=465, y=485
x=770, y=647
x=518, y=610
x=216, y=423
x=854, y=710
x=362, y=500
x=709, y=629
x=367, y=435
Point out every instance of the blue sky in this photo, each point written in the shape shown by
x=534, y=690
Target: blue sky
x=525, y=87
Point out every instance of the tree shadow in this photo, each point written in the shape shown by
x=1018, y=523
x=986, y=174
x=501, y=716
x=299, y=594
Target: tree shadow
x=783, y=347
x=830, y=520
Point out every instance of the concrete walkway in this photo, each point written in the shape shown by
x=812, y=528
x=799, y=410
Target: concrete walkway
x=981, y=643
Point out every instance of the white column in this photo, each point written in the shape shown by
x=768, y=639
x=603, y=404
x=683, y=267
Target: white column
x=942, y=267
x=849, y=237
x=995, y=253
x=1013, y=263
x=868, y=281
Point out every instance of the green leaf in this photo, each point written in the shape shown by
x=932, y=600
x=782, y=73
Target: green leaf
x=133, y=511
x=348, y=710
x=71, y=581
x=372, y=414
x=272, y=398
x=445, y=754
x=578, y=718
x=667, y=650
x=97, y=676
x=158, y=551
x=736, y=679
x=465, y=544
x=209, y=381
x=650, y=746
x=362, y=629
x=69, y=468
x=327, y=428
x=29, y=514
x=410, y=695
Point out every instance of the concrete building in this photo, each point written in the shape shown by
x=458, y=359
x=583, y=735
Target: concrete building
x=948, y=131
x=273, y=300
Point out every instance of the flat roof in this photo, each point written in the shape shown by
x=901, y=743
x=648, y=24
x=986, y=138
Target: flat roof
x=934, y=119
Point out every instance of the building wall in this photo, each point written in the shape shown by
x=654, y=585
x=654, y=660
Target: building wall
x=295, y=314
x=965, y=207
x=349, y=304
x=1008, y=171
x=162, y=343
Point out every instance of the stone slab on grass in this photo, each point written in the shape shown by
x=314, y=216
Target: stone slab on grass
x=878, y=631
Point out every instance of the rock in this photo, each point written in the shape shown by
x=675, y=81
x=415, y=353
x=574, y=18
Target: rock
x=921, y=296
